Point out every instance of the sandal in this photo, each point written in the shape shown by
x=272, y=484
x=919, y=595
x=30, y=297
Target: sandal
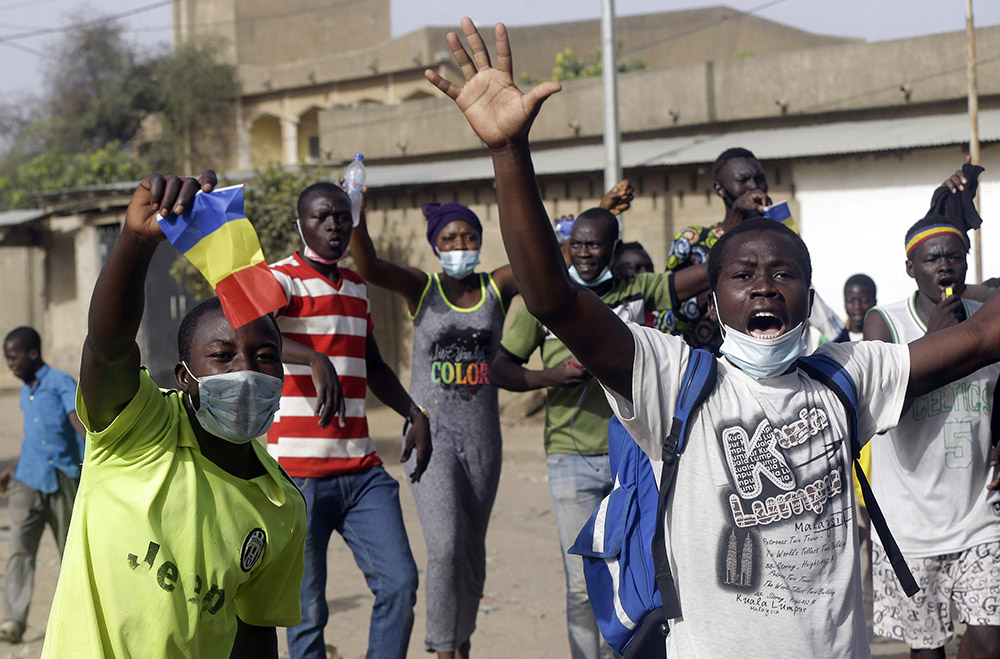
x=11, y=631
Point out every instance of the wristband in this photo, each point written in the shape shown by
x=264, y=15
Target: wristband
x=418, y=409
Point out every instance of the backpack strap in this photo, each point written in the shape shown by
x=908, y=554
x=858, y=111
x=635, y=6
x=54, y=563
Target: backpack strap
x=832, y=374
x=698, y=382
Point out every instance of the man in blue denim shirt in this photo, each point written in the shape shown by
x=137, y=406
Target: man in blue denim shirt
x=42, y=482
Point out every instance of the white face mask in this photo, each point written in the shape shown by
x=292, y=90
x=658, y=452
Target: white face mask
x=459, y=263
x=601, y=278
x=237, y=406
x=761, y=359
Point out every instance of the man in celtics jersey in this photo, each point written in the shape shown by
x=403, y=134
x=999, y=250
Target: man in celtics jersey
x=935, y=473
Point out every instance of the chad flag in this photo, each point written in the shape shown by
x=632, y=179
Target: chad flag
x=216, y=236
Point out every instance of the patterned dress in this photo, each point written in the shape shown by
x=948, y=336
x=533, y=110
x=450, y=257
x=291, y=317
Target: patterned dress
x=690, y=247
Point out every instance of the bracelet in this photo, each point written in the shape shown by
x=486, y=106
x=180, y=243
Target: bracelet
x=418, y=408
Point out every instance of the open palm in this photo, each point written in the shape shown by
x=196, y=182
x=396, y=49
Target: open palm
x=493, y=105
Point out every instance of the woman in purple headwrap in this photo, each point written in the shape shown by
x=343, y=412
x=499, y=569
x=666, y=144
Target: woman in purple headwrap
x=458, y=317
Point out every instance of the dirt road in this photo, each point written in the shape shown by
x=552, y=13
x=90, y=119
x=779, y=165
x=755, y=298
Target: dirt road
x=522, y=613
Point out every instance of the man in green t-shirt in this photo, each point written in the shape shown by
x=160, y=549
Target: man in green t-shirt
x=577, y=415
x=186, y=538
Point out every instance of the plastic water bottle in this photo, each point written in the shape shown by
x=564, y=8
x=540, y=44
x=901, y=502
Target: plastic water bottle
x=354, y=182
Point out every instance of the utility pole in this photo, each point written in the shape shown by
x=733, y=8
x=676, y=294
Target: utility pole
x=609, y=69
x=970, y=61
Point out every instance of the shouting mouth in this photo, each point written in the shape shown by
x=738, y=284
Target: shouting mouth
x=765, y=325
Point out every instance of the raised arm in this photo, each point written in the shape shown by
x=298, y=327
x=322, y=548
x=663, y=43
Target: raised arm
x=504, y=277
x=691, y=281
x=502, y=116
x=109, y=370
x=408, y=282
x=943, y=356
x=619, y=198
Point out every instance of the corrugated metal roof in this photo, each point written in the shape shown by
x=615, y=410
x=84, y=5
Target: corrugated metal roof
x=767, y=144
x=20, y=216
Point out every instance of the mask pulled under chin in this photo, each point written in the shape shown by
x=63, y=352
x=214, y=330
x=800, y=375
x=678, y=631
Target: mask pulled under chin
x=311, y=254
x=601, y=278
x=237, y=406
x=763, y=359
x=459, y=263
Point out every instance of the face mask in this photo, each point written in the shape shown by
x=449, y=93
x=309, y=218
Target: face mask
x=238, y=406
x=762, y=359
x=459, y=263
x=601, y=278
x=311, y=254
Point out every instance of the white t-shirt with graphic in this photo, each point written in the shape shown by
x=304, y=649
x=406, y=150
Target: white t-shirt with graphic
x=760, y=529
x=930, y=473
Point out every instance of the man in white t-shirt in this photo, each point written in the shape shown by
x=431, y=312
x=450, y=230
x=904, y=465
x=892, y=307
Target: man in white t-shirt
x=760, y=527
x=931, y=474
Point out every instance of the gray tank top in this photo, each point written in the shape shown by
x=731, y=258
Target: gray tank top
x=453, y=348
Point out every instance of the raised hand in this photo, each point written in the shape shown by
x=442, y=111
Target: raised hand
x=162, y=195
x=493, y=105
x=956, y=182
x=619, y=198
x=364, y=195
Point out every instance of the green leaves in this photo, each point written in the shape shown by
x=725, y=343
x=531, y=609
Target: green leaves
x=111, y=113
x=270, y=200
x=58, y=171
x=570, y=66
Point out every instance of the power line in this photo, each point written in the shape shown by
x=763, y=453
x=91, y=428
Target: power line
x=27, y=3
x=265, y=17
x=85, y=24
x=206, y=24
x=703, y=26
x=227, y=105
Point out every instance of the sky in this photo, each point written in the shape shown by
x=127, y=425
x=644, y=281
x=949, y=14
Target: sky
x=24, y=58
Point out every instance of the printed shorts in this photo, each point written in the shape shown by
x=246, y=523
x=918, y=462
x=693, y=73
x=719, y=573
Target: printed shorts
x=970, y=579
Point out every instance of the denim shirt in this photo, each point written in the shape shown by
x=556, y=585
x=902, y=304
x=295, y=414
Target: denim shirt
x=50, y=441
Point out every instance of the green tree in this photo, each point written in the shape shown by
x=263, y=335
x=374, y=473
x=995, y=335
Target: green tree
x=98, y=89
x=57, y=171
x=102, y=99
x=269, y=199
x=570, y=66
x=194, y=102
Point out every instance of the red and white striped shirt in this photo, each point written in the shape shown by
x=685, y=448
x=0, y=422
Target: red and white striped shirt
x=334, y=319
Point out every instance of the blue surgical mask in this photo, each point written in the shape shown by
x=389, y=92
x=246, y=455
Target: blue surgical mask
x=237, y=406
x=762, y=359
x=601, y=278
x=459, y=263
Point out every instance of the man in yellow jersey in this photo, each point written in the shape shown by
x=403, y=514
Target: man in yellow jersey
x=186, y=538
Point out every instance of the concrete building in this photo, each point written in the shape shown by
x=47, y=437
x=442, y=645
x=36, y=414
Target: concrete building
x=304, y=57
x=49, y=261
x=854, y=135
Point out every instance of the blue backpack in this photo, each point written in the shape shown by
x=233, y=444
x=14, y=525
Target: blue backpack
x=625, y=561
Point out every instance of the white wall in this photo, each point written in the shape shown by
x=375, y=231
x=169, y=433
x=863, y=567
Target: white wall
x=855, y=212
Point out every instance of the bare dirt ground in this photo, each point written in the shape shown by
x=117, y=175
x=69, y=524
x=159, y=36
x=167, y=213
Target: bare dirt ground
x=521, y=615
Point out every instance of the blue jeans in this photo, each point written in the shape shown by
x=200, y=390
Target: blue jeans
x=364, y=508
x=578, y=484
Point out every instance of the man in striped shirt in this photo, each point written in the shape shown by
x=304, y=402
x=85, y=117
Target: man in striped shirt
x=320, y=433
